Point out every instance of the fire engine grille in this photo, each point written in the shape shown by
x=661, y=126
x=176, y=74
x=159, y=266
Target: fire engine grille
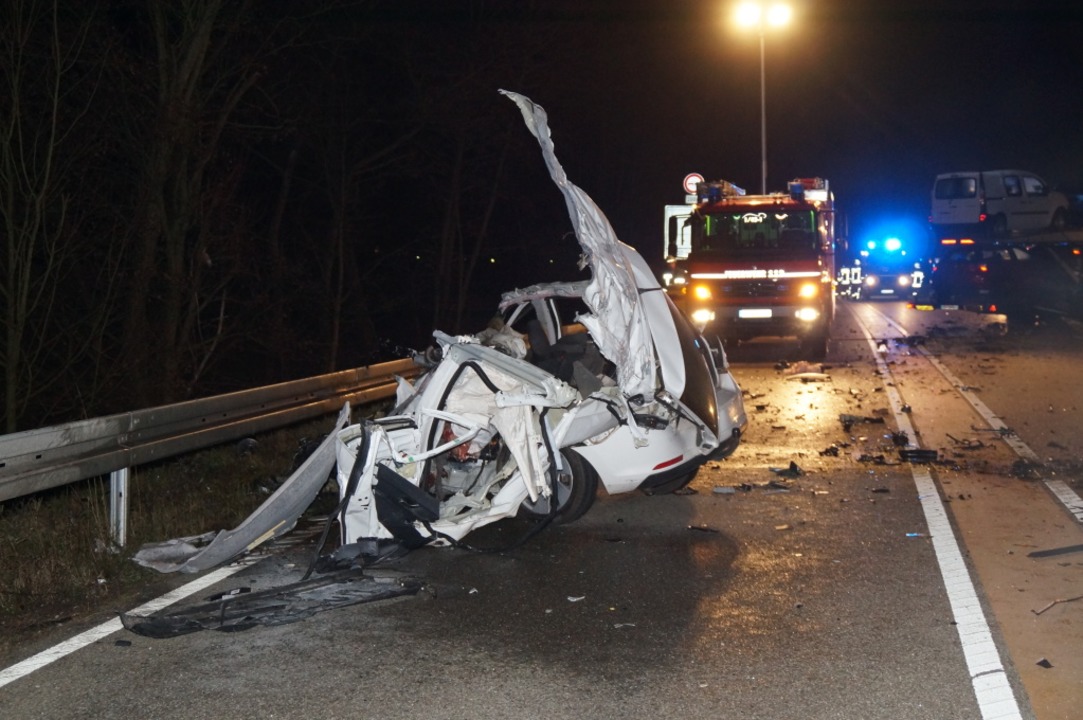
x=755, y=288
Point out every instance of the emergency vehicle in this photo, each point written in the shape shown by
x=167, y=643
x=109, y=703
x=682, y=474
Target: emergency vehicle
x=744, y=266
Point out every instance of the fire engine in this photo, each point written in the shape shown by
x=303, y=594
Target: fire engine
x=744, y=266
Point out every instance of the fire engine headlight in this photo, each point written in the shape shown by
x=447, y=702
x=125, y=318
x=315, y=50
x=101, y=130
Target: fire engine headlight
x=808, y=290
x=808, y=314
x=679, y=280
x=904, y=281
x=703, y=317
x=872, y=280
x=701, y=292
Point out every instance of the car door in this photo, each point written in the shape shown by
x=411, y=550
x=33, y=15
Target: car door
x=1036, y=203
x=1014, y=203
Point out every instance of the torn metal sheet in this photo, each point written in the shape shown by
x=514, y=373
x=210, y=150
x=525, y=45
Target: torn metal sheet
x=275, y=517
x=618, y=323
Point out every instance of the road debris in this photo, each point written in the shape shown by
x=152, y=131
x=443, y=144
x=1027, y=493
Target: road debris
x=848, y=420
x=966, y=443
x=918, y=455
x=234, y=611
x=1058, y=601
x=789, y=472
x=1056, y=551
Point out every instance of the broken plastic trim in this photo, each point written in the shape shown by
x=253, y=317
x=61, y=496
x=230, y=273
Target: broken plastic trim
x=237, y=610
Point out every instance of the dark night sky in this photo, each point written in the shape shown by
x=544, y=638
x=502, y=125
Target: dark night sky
x=876, y=96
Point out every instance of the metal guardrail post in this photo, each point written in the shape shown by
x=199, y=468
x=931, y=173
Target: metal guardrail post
x=118, y=506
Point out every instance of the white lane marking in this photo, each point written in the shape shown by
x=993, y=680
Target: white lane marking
x=994, y=694
x=1068, y=497
x=95, y=634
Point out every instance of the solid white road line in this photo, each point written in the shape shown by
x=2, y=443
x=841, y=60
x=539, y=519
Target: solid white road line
x=994, y=694
x=95, y=634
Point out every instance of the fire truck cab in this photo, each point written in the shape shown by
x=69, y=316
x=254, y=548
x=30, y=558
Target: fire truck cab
x=757, y=265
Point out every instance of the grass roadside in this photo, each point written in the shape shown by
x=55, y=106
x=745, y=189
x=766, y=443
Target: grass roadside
x=56, y=557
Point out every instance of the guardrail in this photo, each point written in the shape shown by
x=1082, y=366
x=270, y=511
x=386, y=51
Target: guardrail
x=36, y=460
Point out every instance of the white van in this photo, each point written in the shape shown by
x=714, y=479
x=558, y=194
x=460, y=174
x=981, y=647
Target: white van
x=994, y=203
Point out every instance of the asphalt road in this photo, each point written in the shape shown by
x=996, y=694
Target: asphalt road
x=759, y=595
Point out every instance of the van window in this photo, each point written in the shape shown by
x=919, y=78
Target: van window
x=1033, y=186
x=1012, y=188
x=956, y=188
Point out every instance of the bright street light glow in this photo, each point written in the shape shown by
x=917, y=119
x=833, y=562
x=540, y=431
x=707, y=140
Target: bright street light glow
x=779, y=14
x=752, y=14
x=748, y=14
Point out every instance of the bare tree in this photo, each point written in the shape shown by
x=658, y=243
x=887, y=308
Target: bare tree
x=49, y=86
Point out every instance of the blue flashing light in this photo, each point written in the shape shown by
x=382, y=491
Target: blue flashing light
x=871, y=244
x=892, y=244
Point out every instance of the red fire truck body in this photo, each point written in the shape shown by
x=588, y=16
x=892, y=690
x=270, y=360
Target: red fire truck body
x=747, y=266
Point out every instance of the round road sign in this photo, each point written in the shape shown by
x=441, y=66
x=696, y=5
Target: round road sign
x=691, y=180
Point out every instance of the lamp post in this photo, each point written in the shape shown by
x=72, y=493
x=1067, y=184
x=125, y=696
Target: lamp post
x=754, y=15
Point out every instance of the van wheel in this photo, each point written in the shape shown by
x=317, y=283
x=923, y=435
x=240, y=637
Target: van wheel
x=999, y=228
x=1060, y=220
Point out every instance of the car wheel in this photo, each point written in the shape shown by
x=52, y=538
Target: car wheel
x=1060, y=220
x=577, y=486
x=999, y=227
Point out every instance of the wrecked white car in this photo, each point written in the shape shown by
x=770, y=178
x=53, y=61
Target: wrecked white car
x=528, y=416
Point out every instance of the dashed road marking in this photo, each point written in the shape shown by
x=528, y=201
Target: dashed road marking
x=1068, y=497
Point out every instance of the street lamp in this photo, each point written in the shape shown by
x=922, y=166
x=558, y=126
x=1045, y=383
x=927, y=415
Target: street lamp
x=754, y=15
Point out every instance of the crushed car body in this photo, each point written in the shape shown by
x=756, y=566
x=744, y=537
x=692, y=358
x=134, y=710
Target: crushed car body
x=572, y=386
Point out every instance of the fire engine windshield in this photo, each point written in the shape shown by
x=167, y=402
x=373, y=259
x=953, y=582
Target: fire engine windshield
x=759, y=232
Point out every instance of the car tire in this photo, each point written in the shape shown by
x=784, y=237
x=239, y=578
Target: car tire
x=999, y=227
x=577, y=487
x=1060, y=220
